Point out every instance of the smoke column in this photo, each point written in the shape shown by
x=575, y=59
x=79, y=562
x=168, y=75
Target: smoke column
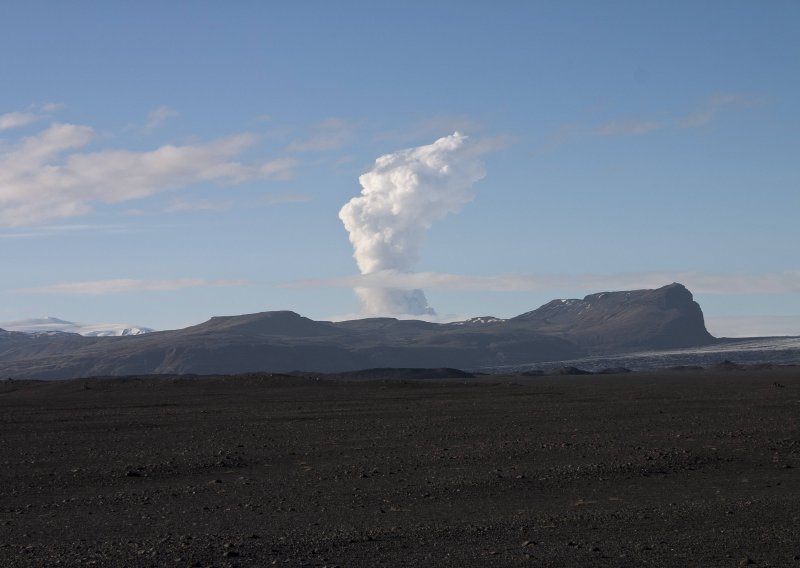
x=401, y=197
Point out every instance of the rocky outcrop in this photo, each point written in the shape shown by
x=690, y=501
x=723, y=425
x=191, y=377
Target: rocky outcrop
x=664, y=318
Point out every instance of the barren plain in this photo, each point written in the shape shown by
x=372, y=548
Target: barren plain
x=669, y=468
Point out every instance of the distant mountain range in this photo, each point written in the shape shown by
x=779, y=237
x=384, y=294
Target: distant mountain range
x=280, y=341
x=55, y=325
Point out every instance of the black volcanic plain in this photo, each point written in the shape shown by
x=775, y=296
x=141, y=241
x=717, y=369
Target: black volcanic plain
x=605, y=323
x=675, y=468
x=382, y=454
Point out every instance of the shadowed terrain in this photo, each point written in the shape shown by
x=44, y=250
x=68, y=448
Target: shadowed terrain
x=676, y=468
x=283, y=341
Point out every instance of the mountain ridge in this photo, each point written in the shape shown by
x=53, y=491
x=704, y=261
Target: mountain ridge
x=279, y=341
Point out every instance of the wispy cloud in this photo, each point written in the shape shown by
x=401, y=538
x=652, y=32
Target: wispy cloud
x=56, y=230
x=753, y=325
x=16, y=119
x=11, y=120
x=719, y=100
x=329, y=134
x=44, y=177
x=278, y=169
x=126, y=285
x=637, y=126
x=48, y=108
x=717, y=103
x=612, y=128
x=696, y=119
x=434, y=126
x=628, y=127
x=157, y=117
x=177, y=205
x=707, y=283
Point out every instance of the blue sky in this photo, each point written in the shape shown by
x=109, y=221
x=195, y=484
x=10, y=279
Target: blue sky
x=161, y=163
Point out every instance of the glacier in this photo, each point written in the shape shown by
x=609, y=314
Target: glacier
x=56, y=325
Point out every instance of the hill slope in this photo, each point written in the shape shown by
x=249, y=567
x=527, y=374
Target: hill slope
x=664, y=318
x=611, y=322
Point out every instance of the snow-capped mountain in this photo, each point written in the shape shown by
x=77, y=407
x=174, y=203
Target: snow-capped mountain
x=51, y=325
x=478, y=320
x=618, y=323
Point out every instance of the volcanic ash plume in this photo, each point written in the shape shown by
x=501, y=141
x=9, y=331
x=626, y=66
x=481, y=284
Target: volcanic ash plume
x=401, y=198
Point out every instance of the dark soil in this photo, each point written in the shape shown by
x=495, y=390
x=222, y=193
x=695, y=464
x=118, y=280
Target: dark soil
x=697, y=468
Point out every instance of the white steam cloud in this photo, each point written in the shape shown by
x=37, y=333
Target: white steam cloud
x=400, y=199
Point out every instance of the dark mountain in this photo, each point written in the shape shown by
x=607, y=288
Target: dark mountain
x=607, y=323
x=665, y=318
x=266, y=324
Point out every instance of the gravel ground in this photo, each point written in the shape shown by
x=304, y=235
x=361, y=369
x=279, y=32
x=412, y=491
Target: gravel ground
x=693, y=468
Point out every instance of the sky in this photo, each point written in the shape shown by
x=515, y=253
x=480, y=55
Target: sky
x=165, y=162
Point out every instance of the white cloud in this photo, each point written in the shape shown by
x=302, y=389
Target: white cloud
x=401, y=197
x=17, y=119
x=126, y=285
x=42, y=177
x=157, y=117
x=329, y=134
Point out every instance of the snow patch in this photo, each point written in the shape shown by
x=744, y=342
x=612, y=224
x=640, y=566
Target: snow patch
x=478, y=320
x=56, y=325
